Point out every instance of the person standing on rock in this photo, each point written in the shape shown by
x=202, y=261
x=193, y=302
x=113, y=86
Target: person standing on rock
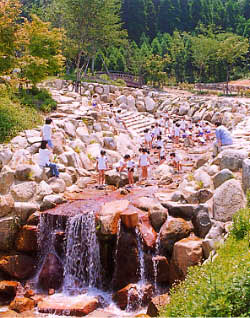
x=47, y=132
x=144, y=162
x=101, y=166
x=44, y=159
x=223, y=138
x=130, y=165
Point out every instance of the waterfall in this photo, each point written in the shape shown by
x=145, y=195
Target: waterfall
x=155, y=262
x=82, y=265
x=141, y=257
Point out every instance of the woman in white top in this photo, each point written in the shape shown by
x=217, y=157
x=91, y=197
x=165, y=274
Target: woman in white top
x=101, y=166
x=44, y=159
x=144, y=162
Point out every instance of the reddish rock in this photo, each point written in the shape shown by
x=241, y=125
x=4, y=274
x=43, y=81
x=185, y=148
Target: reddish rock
x=26, y=240
x=127, y=260
x=162, y=267
x=128, y=293
x=148, y=233
x=173, y=230
x=51, y=291
x=109, y=216
x=34, y=218
x=21, y=304
x=129, y=217
x=51, y=275
x=29, y=293
x=8, y=290
x=187, y=252
x=63, y=306
x=147, y=291
x=18, y=266
x=156, y=304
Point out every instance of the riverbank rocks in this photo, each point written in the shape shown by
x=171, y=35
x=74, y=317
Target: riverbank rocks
x=221, y=177
x=232, y=159
x=26, y=240
x=109, y=215
x=62, y=305
x=6, y=204
x=228, y=199
x=246, y=174
x=51, y=274
x=147, y=232
x=187, y=252
x=9, y=227
x=21, y=304
x=18, y=266
x=6, y=179
x=172, y=231
x=8, y=290
x=157, y=304
x=126, y=264
x=24, y=192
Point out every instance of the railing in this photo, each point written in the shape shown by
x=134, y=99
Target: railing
x=222, y=87
x=131, y=80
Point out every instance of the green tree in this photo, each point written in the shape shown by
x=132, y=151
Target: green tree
x=9, y=14
x=231, y=48
x=39, y=50
x=90, y=25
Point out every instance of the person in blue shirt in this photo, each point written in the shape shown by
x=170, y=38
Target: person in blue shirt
x=223, y=138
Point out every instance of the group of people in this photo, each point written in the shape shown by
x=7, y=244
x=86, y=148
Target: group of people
x=164, y=130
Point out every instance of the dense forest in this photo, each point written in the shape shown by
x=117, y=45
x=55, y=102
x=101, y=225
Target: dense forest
x=165, y=41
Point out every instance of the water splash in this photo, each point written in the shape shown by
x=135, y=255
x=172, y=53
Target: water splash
x=83, y=267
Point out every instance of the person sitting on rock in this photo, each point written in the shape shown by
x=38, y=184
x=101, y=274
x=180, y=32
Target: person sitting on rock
x=47, y=132
x=130, y=166
x=44, y=159
x=101, y=167
x=175, y=161
x=223, y=138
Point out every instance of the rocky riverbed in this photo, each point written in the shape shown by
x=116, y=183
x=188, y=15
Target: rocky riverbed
x=69, y=249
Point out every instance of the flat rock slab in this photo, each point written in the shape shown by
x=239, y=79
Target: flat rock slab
x=78, y=306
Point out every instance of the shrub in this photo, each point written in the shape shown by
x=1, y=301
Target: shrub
x=220, y=288
x=37, y=98
x=15, y=118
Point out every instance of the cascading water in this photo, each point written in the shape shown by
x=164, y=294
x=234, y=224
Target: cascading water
x=141, y=257
x=155, y=263
x=82, y=266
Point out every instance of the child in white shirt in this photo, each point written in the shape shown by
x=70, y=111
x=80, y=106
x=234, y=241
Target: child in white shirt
x=47, y=132
x=144, y=162
x=101, y=166
x=175, y=161
x=130, y=165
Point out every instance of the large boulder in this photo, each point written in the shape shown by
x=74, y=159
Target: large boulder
x=182, y=210
x=157, y=304
x=213, y=238
x=9, y=227
x=121, y=100
x=57, y=185
x=113, y=177
x=6, y=179
x=157, y=213
x=18, y=266
x=246, y=174
x=232, y=159
x=228, y=199
x=221, y=177
x=163, y=173
x=5, y=157
x=51, y=201
x=24, y=209
x=26, y=240
x=6, y=204
x=201, y=221
x=202, y=178
x=70, y=129
x=126, y=296
x=172, y=231
x=187, y=252
x=51, y=274
x=24, y=192
x=8, y=290
x=22, y=304
x=131, y=102
x=150, y=104
x=109, y=215
x=127, y=259
x=147, y=232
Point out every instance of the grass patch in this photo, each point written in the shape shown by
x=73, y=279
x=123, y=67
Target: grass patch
x=15, y=118
x=220, y=288
x=39, y=99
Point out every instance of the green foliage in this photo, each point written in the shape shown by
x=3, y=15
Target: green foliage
x=38, y=98
x=220, y=288
x=15, y=118
x=119, y=82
